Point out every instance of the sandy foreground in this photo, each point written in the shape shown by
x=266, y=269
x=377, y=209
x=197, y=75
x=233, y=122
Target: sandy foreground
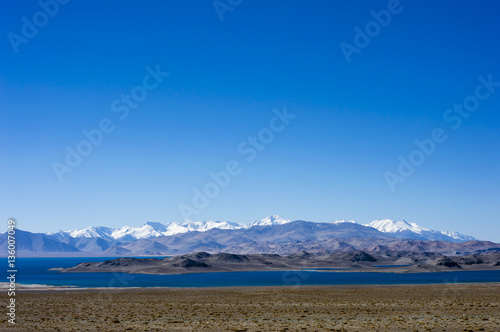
x=449, y=307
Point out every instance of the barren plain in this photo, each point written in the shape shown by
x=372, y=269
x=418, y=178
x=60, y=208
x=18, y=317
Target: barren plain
x=449, y=307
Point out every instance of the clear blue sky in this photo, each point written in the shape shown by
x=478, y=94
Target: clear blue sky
x=353, y=120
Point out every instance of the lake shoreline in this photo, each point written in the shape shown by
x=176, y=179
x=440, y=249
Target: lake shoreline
x=414, y=270
x=34, y=271
x=27, y=288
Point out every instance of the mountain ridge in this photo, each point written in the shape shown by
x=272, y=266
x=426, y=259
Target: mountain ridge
x=275, y=236
x=150, y=229
x=354, y=261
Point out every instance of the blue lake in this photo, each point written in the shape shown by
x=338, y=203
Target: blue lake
x=35, y=271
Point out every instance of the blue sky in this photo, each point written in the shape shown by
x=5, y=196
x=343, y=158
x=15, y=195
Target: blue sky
x=225, y=77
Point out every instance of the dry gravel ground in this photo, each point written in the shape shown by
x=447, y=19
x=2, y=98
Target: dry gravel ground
x=452, y=307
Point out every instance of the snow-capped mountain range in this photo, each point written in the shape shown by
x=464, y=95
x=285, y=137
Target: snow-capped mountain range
x=271, y=235
x=156, y=229
x=399, y=229
x=404, y=229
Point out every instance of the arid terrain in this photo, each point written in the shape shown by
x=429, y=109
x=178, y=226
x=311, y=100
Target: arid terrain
x=354, y=261
x=451, y=307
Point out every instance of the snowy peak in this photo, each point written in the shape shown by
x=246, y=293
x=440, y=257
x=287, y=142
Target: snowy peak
x=269, y=221
x=59, y=235
x=157, y=226
x=337, y=222
x=458, y=236
x=390, y=226
x=91, y=232
x=203, y=226
x=404, y=229
x=123, y=232
x=148, y=231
